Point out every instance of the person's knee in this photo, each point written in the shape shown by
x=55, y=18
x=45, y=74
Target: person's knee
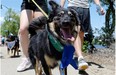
x=23, y=31
x=81, y=34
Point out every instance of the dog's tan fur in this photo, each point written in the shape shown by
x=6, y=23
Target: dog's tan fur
x=50, y=61
x=38, y=67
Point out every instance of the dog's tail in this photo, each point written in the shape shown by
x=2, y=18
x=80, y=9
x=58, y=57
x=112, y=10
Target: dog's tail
x=38, y=23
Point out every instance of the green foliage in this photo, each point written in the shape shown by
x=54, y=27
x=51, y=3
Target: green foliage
x=104, y=38
x=10, y=24
x=106, y=33
x=108, y=30
x=85, y=46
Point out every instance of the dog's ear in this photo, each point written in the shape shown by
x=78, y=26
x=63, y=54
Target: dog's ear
x=76, y=16
x=55, y=9
x=53, y=4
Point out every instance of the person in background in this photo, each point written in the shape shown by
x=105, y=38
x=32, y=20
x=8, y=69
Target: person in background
x=29, y=11
x=82, y=8
x=3, y=40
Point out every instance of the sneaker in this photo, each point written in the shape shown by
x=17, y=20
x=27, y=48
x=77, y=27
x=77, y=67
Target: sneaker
x=26, y=64
x=82, y=65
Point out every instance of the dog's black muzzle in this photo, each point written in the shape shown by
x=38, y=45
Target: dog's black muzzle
x=66, y=22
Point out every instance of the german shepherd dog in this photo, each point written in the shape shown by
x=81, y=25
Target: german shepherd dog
x=41, y=49
x=12, y=43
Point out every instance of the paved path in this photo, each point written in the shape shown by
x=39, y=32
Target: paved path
x=8, y=66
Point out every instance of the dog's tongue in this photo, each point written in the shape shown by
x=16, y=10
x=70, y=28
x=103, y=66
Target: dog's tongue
x=66, y=33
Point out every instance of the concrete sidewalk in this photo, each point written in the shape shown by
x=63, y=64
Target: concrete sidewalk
x=101, y=64
x=9, y=65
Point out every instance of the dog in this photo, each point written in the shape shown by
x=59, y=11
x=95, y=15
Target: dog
x=12, y=43
x=62, y=28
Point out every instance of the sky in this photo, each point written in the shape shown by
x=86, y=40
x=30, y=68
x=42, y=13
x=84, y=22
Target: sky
x=97, y=21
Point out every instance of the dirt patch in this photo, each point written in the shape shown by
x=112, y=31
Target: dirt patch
x=101, y=63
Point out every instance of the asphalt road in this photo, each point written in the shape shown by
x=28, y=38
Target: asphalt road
x=9, y=64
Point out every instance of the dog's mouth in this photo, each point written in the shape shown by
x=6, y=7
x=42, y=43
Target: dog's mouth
x=66, y=33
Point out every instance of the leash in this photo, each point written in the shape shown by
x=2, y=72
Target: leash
x=40, y=9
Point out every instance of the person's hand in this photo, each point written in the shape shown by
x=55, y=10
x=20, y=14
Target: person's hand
x=100, y=10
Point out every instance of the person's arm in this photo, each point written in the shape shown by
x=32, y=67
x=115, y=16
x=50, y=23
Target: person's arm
x=101, y=11
x=62, y=2
x=97, y=2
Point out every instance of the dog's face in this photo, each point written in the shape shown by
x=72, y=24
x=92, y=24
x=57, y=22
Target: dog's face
x=65, y=20
x=10, y=38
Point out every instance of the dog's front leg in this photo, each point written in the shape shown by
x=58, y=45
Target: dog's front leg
x=17, y=49
x=63, y=71
x=50, y=71
x=8, y=51
x=38, y=67
x=49, y=62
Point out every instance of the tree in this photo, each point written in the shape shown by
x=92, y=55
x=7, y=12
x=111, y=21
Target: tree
x=108, y=30
x=10, y=24
x=109, y=22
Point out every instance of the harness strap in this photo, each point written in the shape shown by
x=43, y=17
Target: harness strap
x=57, y=45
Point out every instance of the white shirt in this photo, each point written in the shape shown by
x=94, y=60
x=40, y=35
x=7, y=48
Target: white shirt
x=79, y=3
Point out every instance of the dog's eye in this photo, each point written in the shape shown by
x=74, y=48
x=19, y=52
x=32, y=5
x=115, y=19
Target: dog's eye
x=69, y=13
x=61, y=13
